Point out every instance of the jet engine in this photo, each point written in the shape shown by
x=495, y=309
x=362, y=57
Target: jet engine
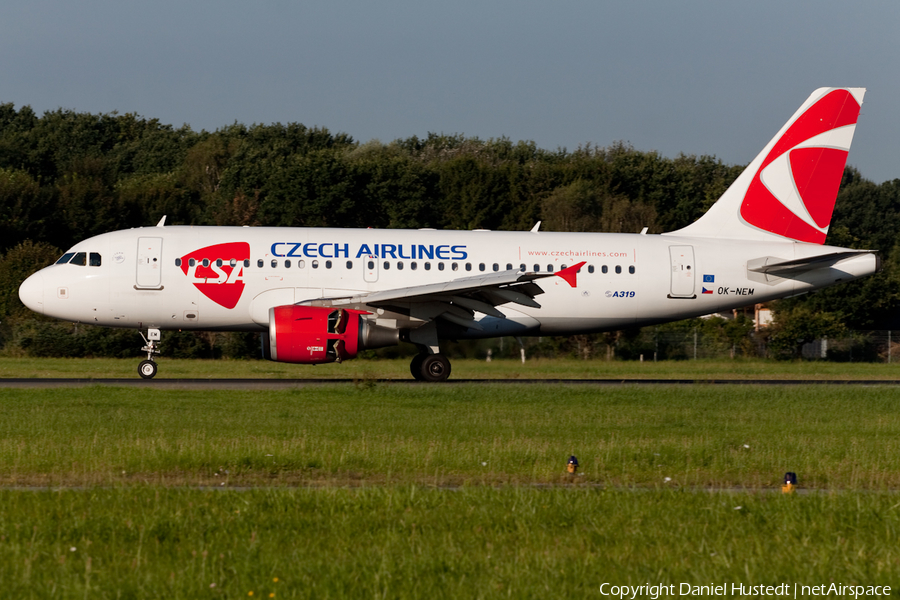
x=319, y=334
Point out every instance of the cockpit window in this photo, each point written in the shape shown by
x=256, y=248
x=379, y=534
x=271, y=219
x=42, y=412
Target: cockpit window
x=65, y=258
x=95, y=259
x=79, y=259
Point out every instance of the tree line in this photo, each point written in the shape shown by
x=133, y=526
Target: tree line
x=66, y=176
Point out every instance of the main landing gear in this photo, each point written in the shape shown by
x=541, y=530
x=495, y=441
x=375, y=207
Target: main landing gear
x=147, y=369
x=430, y=367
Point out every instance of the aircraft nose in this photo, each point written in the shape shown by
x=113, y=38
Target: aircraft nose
x=31, y=293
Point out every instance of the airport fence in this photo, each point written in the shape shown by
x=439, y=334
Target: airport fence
x=652, y=344
x=687, y=340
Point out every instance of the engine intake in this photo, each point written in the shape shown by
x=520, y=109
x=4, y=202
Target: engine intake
x=319, y=334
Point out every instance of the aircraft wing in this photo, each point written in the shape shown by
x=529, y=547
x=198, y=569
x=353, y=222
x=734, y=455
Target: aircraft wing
x=458, y=300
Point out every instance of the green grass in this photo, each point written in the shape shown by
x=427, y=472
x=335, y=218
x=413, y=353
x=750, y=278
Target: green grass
x=462, y=369
x=409, y=542
x=844, y=437
x=382, y=490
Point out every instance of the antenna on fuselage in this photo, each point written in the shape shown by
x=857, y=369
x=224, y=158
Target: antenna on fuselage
x=162, y=222
x=536, y=227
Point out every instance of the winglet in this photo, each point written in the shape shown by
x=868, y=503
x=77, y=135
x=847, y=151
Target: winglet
x=570, y=273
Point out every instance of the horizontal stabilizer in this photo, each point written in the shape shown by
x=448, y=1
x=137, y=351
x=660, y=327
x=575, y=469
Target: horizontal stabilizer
x=771, y=265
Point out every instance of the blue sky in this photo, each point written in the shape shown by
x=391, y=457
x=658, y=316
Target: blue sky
x=716, y=78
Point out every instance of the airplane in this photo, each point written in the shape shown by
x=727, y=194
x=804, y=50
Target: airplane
x=320, y=295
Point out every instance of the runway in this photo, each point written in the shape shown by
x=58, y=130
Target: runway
x=278, y=384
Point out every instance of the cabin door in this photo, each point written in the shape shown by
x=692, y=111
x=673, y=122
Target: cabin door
x=149, y=263
x=682, y=271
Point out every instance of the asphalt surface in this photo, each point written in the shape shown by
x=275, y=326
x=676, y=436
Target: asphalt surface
x=277, y=384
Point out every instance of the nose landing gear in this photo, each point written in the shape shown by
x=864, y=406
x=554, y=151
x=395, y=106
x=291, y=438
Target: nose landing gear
x=147, y=368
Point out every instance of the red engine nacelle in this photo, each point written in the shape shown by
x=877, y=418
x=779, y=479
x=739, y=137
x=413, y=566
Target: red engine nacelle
x=317, y=334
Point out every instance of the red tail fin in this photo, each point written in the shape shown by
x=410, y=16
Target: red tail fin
x=794, y=190
x=790, y=188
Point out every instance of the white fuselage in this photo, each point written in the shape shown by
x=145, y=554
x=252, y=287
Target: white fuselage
x=155, y=277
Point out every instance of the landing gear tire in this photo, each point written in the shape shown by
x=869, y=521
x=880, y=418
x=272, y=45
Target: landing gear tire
x=415, y=367
x=147, y=369
x=434, y=368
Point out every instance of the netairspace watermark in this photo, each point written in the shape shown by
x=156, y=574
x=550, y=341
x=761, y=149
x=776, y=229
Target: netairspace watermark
x=786, y=590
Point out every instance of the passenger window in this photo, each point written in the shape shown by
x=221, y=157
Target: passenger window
x=177, y=262
x=218, y=262
x=618, y=270
x=327, y=264
x=95, y=259
x=522, y=267
x=440, y=266
x=287, y=263
x=537, y=268
x=604, y=269
x=370, y=265
x=399, y=265
x=455, y=266
x=246, y=263
x=315, y=264
x=274, y=263
x=549, y=268
x=631, y=269
x=564, y=267
x=301, y=264
x=65, y=258
x=349, y=264
x=413, y=265
x=260, y=263
x=468, y=266
x=496, y=267
x=428, y=266
x=79, y=259
x=481, y=266
x=387, y=265
x=508, y=267
x=590, y=268
x=192, y=262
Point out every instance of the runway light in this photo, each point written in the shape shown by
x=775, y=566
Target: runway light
x=790, y=483
x=573, y=465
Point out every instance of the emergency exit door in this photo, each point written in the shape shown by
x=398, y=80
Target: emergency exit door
x=370, y=269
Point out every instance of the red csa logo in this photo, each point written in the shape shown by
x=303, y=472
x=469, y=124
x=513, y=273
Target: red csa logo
x=218, y=271
x=794, y=191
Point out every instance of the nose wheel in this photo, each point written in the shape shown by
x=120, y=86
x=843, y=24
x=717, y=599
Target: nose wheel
x=147, y=368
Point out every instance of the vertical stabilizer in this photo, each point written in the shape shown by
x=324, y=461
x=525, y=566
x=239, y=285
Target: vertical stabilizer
x=790, y=188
